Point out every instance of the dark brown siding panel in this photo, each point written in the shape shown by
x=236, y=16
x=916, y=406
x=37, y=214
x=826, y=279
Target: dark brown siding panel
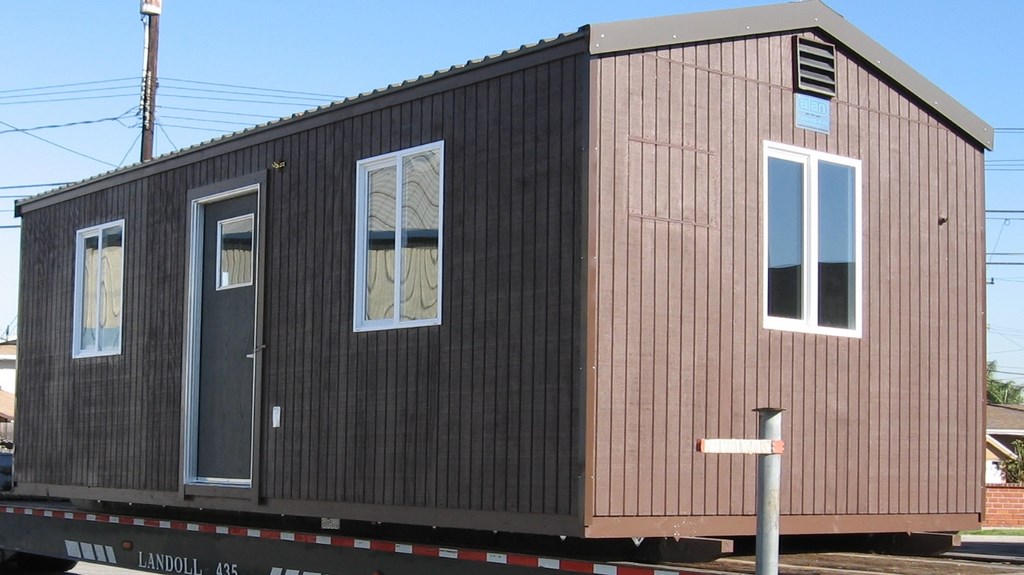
x=101, y=401
x=680, y=353
x=481, y=413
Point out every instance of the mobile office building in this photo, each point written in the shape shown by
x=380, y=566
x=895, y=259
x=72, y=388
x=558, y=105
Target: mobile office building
x=511, y=296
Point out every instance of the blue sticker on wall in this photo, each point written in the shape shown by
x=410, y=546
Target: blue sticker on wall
x=813, y=113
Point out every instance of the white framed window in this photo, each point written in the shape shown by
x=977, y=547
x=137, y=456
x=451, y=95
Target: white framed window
x=234, y=252
x=812, y=265
x=399, y=200
x=99, y=284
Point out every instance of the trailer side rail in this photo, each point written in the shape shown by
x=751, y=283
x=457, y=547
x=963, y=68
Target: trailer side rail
x=194, y=548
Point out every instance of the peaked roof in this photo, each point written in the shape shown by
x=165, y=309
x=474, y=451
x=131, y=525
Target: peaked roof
x=775, y=18
x=1004, y=418
x=624, y=36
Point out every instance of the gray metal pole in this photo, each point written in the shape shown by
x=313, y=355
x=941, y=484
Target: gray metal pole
x=769, y=479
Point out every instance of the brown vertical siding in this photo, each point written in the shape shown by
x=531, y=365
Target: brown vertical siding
x=480, y=413
x=84, y=422
x=679, y=350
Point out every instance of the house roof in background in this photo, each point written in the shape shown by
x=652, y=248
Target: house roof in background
x=7, y=402
x=1005, y=418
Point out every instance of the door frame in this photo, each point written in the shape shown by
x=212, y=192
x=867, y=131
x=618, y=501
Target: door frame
x=198, y=198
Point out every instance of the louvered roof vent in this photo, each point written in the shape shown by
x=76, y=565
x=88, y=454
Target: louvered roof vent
x=815, y=67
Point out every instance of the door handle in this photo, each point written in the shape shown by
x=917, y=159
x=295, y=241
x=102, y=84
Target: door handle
x=255, y=351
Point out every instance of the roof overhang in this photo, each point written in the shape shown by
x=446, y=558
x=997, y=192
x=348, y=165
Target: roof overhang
x=773, y=19
x=998, y=446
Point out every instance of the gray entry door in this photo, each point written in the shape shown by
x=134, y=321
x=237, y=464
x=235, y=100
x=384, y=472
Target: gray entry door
x=225, y=379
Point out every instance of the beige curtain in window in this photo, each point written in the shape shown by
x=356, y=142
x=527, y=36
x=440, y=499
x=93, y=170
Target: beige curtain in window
x=109, y=313
x=419, y=282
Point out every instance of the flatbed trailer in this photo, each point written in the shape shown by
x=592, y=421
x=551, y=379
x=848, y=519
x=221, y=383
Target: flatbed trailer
x=51, y=537
x=195, y=548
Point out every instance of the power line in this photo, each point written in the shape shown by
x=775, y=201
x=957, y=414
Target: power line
x=166, y=135
x=225, y=112
x=1004, y=211
x=65, y=148
x=30, y=186
x=208, y=120
x=130, y=148
x=130, y=94
x=197, y=128
x=54, y=86
x=999, y=236
x=65, y=92
x=262, y=94
x=212, y=99
x=7, y=330
x=332, y=96
x=69, y=124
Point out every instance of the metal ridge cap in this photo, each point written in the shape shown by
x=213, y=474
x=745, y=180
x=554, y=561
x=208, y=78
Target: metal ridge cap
x=702, y=26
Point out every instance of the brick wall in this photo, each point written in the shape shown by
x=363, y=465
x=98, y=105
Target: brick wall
x=1004, y=505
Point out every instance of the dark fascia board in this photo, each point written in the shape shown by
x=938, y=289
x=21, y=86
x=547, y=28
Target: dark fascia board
x=772, y=19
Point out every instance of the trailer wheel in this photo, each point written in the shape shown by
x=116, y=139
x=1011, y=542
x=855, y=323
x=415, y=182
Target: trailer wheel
x=17, y=562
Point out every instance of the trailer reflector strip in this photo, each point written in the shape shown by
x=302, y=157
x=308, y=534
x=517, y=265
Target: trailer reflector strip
x=90, y=552
x=73, y=550
x=105, y=553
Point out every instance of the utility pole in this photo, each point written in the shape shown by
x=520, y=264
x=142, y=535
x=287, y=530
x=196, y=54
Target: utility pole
x=151, y=10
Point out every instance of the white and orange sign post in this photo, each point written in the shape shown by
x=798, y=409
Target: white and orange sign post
x=768, y=448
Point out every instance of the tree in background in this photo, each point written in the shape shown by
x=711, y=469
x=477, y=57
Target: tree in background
x=1002, y=391
x=1013, y=469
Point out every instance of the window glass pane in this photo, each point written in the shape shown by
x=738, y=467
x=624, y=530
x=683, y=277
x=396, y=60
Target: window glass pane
x=421, y=186
x=87, y=305
x=785, y=238
x=111, y=267
x=380, y=243
x=836, y=245
x=235, y=265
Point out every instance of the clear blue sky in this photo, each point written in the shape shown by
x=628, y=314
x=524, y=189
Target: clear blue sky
x=970, y=48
